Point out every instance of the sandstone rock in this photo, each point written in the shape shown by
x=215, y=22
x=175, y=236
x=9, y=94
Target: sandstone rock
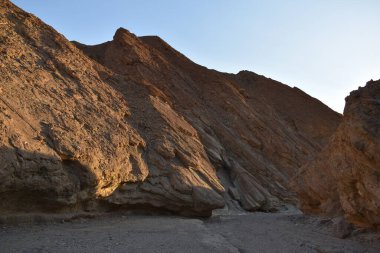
x=132, y=124
x=258, y=130
x=344, y=178
x=66, y=135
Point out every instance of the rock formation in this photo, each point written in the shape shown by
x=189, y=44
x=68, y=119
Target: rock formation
x=344, y=179
x=132, y=123
x=256, y=131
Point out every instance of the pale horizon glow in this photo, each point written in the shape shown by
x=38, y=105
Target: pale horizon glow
x=327, y=48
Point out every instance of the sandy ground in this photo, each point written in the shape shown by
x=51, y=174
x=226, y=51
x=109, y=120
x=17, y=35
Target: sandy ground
x=256, y=232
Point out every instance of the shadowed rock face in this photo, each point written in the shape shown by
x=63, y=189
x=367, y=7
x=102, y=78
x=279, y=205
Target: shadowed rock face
x=344, y=177
x=138, y=125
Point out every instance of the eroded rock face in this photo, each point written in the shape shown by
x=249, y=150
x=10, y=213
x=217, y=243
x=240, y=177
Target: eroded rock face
x=344, y=178
x=138, y=125
x=256, y=131
x=66, y=137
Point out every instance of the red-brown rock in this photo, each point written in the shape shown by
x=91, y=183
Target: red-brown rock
x=132, y=123
x=344, y=178
x=257, y=130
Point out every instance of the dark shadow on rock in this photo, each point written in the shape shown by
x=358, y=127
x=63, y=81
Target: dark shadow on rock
x=37, y=182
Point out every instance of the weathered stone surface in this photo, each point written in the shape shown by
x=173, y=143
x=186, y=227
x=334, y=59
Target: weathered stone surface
x=66, y=135
x=344, y=178
x=258, y=130
x=142, y=126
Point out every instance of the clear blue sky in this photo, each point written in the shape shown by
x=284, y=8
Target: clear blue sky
x=325, y=47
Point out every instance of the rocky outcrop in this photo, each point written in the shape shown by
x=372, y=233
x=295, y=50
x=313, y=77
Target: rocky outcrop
x=66, y=138
x=258, y=131
x=138, y=125
x=344, y=178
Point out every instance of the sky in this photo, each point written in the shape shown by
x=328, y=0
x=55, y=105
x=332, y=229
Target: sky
x=325, y=47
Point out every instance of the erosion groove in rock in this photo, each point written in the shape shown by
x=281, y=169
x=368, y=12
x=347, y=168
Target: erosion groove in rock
x=344, y=177
x=132, y=123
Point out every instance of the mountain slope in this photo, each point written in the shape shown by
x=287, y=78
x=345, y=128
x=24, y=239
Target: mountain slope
x=66, y=138
x=344, y=177
x=134, y=124
x=253, y=142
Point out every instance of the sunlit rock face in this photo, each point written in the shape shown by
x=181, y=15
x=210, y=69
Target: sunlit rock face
x=256, y=132
x=344, y=178
x=69, y=140
x=134, y=124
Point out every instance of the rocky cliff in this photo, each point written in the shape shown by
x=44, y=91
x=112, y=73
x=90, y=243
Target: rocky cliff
x=344, y=179
x=255, y=131
x=132, y=123
x=66, y=137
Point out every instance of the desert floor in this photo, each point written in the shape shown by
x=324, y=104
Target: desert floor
x=254, y=232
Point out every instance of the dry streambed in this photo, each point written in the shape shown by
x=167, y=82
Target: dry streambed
x=258, y=232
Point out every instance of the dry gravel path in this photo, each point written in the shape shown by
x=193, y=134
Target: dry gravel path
x=257, y=232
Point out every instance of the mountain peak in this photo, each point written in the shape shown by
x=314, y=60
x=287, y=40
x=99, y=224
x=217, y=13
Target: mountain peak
x=123, y=37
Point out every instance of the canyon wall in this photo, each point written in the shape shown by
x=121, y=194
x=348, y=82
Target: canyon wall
x=134, y=124
x=344, y=179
